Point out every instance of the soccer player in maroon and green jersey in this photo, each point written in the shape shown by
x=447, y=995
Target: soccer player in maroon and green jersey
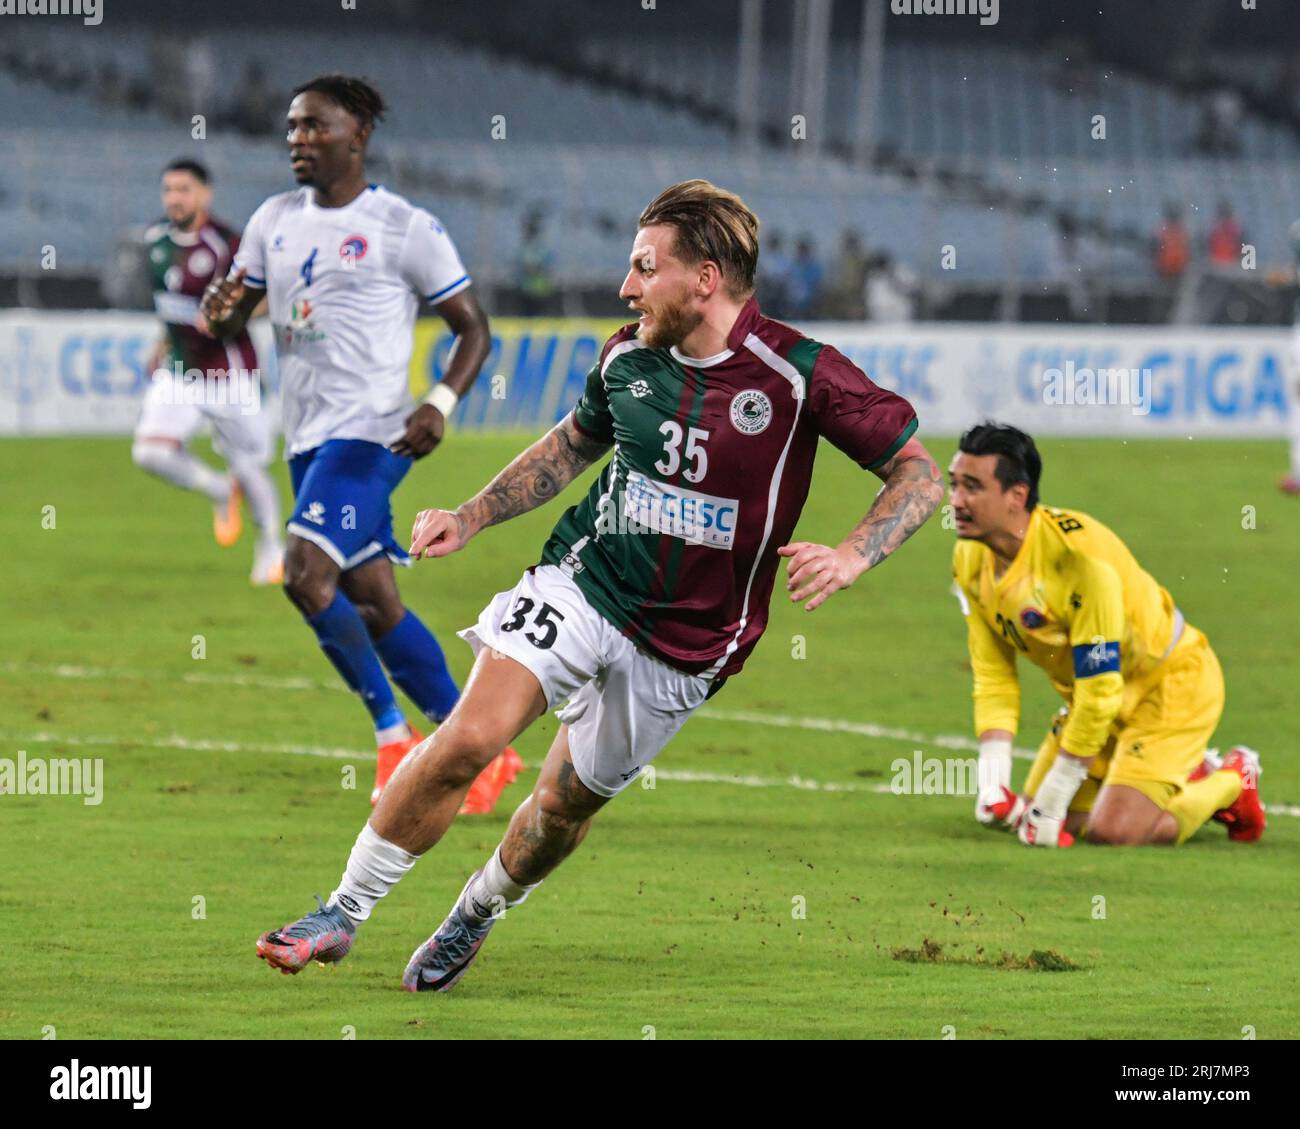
x=196, y=376
x=654, y=588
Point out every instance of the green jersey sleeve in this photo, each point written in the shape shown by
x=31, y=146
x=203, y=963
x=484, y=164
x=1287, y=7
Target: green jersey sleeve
x=591, y=415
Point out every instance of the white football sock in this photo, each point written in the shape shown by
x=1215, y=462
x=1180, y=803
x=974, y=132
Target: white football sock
x=374, y=867
x=178, y=466
x=399, y=732
x=263, y=501
x=493, y=891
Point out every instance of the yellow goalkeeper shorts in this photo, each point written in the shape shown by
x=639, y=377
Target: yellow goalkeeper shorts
x=1162, y=741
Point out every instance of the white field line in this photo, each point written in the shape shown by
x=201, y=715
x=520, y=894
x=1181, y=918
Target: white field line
x=202, y=746
x=744, y=717
x=264, y=682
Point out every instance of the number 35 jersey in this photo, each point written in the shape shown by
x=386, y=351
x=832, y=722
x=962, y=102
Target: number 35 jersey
x=675, y=543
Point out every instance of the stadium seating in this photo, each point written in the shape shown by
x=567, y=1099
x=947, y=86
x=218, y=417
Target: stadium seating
x=1002, y=113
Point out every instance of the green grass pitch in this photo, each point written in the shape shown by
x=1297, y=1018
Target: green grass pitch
x=680, y=915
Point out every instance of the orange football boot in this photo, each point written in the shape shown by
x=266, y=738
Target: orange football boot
x=491, y=782
x=227, y=522
x=390, y=756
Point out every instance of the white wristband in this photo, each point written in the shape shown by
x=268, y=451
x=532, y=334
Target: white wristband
x=443, y=398
x=995, y=765
x=1059, y=786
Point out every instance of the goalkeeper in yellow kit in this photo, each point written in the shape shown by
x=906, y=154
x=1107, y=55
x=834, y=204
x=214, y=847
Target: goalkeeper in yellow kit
x=1125, y=761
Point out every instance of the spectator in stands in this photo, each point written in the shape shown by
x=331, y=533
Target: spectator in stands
x=1219, y=134
x=167, y=57
x=258, y=103
x=846, y=294
x=1285, y=97
x=774, y=277
x=1226, y=238
x=536, y=269
x=805, y=280
x=890, y=290
x=200, y=77
x=1172, y=246
x=1070, y=258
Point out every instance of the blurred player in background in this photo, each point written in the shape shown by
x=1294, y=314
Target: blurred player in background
x=1291, y=480
x=1127, y=756
x=344, y=265
x=198, y=376
x=652, y=590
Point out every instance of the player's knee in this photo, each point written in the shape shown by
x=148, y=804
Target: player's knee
x=1112, y=831
x=245, y=467
x=570, y=802
x=146, y=455
x=464, y=748
x=561, y=823
x=310, y=590
x=380, y=617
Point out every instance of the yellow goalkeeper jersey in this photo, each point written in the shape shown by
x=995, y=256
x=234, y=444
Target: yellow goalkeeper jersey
x=1076, y=603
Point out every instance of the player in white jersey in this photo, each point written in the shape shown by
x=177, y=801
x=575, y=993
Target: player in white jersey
x=344, y=265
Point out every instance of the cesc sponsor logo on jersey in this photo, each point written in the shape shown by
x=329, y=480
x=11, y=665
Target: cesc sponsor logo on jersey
x=651, y=506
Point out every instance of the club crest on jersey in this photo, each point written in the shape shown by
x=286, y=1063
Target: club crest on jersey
x=353, y=248
x=751, y=411
x=201, y=263
x=1032, y=618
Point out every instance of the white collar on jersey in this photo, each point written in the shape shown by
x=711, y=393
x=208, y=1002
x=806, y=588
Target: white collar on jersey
x=361, y=196
x=184, y=238
x=700, y=362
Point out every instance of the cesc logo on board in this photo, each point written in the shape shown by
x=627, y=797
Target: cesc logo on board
x=102, y=365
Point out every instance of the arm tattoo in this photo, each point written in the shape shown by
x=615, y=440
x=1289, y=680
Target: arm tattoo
x=909, y=496
x=534, y=478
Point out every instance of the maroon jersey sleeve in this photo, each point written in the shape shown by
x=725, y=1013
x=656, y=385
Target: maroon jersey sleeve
x=231, y=238
x=868, y=423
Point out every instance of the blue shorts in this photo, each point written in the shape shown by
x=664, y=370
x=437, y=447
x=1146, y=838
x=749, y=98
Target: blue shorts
x=341, y=491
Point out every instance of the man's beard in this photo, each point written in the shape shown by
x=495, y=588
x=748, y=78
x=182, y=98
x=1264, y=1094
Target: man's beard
x=672, y=322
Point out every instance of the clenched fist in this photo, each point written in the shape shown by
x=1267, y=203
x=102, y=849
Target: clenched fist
x=221, y=300
x=424, y=431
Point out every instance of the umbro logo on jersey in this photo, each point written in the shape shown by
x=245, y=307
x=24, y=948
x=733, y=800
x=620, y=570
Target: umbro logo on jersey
x=315, y=513
x=751, y=411
x=277, y=244
x=639, y=388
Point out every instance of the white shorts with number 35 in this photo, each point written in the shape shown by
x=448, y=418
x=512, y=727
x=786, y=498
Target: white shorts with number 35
x=623, y=705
